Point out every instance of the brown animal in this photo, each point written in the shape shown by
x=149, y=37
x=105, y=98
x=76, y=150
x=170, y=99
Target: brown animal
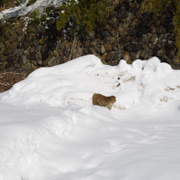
x=99, y=99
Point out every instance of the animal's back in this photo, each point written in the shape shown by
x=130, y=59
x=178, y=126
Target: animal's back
x=101, y=100
x=98, y=99
x=95, y=99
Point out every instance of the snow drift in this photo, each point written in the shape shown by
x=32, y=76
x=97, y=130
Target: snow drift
x=50, y=130
x=149, y=83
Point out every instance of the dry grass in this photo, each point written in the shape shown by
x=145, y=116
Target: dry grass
x=8, y=79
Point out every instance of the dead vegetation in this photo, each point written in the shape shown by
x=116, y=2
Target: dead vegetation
x=8, y=79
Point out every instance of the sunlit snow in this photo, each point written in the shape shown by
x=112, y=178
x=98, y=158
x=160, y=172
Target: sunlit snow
x=49, y=129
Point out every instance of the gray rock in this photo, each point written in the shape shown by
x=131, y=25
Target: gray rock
x=52, y=61
x=39, y=62
x=38, y=56
x=14, y=37
x=7, y=44
x=38, y=48
x=93, y=43
x=51, y=21
x=92, y=50
x=98, y=49
x=128, y=47
x=87, y=44
x=19, y=31
x=105, y=34
x=153, y=29
x=21, y=38
x=114, y=55
x=15, y=52
x=92, y=34
x=35, y=42
x=146, y=53
x=161, y=30
x=85, y=51
x=32, y=57
x=154, y=38
x=109, y=39
x=28, y=65
x=139, y=54
x=2, y=47
x=25, y=60
x=32, y=50
x=60, y=52
x=161, y=53
x=26, y=52
x=103, y=50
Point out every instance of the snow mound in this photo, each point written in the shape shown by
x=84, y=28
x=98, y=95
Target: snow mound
x=147, y=83
x=53, y=132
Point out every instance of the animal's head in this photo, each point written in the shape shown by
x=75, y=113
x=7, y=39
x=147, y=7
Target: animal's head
x=113, y=99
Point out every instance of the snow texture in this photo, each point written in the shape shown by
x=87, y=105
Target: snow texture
x=23, y=9
x=49, y=129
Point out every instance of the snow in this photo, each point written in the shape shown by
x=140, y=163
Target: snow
x=49, y=129
x=23, y=9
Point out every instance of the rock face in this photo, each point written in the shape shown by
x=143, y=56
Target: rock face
x=140, y=35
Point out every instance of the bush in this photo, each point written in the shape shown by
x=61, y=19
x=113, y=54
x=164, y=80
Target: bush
x=18, y=2
x=82, y=16
x=31, y=2
x=5, y=1
x=38, y=17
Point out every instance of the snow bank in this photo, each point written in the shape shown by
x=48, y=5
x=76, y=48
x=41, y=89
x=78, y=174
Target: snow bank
x=49, y=129
x=144, y=83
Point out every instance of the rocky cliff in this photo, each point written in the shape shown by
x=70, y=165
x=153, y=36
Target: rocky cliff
x=25, y=47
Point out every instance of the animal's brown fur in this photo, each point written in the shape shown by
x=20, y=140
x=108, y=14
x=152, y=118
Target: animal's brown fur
x=101, y=100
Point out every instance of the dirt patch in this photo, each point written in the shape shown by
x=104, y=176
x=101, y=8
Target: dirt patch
x=8, y=79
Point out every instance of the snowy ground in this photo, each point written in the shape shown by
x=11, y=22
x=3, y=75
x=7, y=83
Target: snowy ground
x=49, y=129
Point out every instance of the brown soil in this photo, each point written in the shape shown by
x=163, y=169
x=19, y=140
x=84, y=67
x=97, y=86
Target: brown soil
x=8, y=79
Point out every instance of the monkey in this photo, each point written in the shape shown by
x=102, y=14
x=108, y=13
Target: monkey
x=101, y=100
x=127, y=57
